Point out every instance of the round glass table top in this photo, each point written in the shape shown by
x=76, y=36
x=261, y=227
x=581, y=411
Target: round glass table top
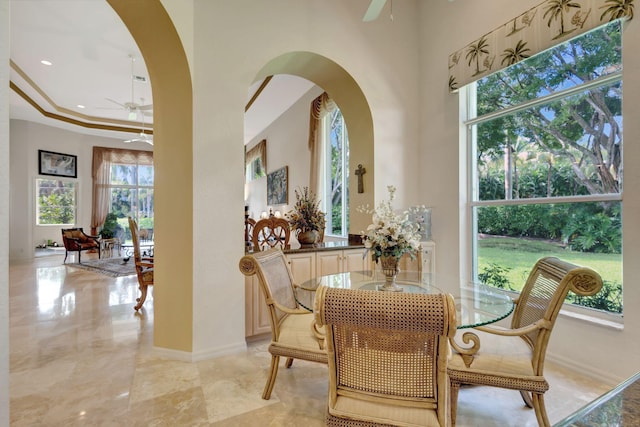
x=475, y=305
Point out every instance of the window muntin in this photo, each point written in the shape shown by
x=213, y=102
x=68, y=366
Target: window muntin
x=56, y=202
x=546, y=165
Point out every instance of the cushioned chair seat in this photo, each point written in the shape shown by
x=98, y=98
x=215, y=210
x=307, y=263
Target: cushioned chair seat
x=381, y=412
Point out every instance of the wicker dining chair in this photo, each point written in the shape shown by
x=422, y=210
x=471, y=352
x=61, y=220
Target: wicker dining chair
x=387, y=356
x=294, y=334
x=513, y=358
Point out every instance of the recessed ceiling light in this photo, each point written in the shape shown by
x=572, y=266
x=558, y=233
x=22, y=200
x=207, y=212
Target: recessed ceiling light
x=45, y=62
x=80, y=106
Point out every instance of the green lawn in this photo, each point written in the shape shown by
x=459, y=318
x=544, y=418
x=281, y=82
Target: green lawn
x=519, y=255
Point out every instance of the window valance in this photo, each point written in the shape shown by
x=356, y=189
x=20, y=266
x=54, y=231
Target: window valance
x=539, y=28
x=258, y=151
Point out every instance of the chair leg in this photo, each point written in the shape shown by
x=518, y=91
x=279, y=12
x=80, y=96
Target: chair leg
x=289, y=362
x=79, y=260
x=453, y=400
x=143, y=297
x=526, y=396
x=541, y=411
x=65, y=256
x=266, y=394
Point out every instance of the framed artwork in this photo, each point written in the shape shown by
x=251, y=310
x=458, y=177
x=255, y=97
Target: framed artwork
x=277, y=183
x=57, y=164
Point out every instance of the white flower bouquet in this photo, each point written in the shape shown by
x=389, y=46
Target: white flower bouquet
x=390, y=234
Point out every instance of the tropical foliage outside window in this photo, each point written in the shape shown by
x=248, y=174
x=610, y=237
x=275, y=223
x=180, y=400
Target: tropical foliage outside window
x=56, y=202
x=132, y=194
x=546, y=159
x=336, y=197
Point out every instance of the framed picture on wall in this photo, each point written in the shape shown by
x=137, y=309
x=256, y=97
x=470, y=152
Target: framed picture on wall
x=57, y=164
x=277, y=183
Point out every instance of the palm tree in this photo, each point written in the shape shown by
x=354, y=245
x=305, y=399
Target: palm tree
x=475, y=51
x=517, y=54
x=555, y=10
x=617, y=9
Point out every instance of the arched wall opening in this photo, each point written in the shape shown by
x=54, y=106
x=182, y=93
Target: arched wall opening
x=348, y=95
x=171, y=85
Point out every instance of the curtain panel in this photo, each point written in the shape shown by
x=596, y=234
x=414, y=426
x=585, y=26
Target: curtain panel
x=539, y=28
x=320, y=107
x=258, y=151
x=103, y=159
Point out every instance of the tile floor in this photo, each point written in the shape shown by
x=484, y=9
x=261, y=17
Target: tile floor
x=80, y=357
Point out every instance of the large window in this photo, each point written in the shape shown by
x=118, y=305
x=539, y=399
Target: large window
x=336, y=193
x=132, y=193
x=545, y=160
x=55, y=202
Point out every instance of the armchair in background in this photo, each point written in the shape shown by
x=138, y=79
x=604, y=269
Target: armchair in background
x=76, y=240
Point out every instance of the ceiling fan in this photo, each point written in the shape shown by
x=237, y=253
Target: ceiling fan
x=133, y=107
x=375, y=7
x=142, y=136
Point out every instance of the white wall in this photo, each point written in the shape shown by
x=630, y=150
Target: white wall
x=26, y=139
x=445, y=28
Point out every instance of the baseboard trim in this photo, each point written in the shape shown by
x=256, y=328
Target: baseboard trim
x=582, y=369
x=185, y=356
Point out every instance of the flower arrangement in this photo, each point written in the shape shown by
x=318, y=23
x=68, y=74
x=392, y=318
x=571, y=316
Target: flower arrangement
x=306, y=215
x=390, y=234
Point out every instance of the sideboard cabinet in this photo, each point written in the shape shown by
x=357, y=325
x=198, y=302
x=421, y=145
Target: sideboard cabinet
x=306, y=264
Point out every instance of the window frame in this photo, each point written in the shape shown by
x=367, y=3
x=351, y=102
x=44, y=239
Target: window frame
x=327, y=177
x=76, y=186
x=471, y=196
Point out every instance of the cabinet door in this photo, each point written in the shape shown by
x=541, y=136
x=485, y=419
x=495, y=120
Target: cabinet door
x=356, y=260
x=303, y=266
x=256, y=312
x=329, y=262
x=428, y=257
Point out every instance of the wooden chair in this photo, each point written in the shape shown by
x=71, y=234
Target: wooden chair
x=144, y=265
x=249, y=225
x=293, y=331
x=76, y=240
x=514, y=358
x=271, y=232
x=387, y=356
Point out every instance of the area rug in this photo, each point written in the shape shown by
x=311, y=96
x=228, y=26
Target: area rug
x=113, y=267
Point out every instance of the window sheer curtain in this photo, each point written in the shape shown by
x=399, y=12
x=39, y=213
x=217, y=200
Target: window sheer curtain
x=320, y=107
x=103, y=159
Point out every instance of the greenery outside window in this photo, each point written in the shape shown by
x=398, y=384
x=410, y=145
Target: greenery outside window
x=336, y=185
x=132, y=194
x=55, y=202
x=545, y=161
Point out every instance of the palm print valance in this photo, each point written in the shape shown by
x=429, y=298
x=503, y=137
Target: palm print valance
x=545, y=25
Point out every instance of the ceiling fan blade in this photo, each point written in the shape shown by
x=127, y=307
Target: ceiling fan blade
x=374, y=10
x=145, y=107
x=116, y=102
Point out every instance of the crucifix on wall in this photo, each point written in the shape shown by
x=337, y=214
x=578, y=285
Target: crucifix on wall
x=360, y=173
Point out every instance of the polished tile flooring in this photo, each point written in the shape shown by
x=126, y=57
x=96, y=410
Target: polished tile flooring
x=80, y=356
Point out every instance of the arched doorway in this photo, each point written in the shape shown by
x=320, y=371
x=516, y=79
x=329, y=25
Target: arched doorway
x=173, y=140
x=348, y=95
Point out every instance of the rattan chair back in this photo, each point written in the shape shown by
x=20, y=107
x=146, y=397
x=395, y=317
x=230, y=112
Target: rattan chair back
x=387, y=356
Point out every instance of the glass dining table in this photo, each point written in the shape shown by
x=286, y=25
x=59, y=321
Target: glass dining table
x=475, y=305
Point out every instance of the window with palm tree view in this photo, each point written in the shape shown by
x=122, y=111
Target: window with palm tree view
x=546, y=163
